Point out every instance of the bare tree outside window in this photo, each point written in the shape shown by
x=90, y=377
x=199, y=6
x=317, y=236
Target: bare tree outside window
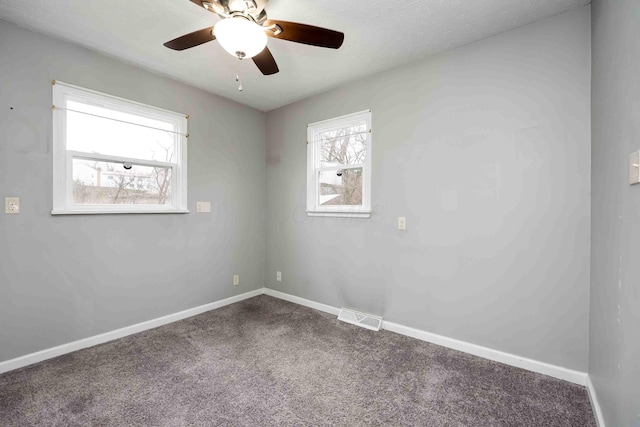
x=342, y=147
x=103, y=182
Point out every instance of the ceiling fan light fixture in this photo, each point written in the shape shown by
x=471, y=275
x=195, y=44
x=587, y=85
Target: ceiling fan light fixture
x=240, y=37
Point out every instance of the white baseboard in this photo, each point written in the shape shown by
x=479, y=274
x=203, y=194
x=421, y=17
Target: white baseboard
x=593, y=397
x=29, y=359
x=559, y=372
x=302, y=301
x=487, y=353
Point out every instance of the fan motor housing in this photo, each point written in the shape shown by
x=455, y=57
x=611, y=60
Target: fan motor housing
x=253, y=9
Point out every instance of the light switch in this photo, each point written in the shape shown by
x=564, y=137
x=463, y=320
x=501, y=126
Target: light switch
x=402, y=223
x=203, y=207
x=634, y=168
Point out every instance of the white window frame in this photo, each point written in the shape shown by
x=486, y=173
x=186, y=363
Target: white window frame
x=314, y=169
x=62, y=158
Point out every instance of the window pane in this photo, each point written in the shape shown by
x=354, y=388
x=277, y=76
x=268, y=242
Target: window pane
x=100, y=130
x=108, y=183
x=343, y=146
x=340, y=190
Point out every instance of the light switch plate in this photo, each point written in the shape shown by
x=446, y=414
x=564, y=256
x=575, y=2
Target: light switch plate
x=203, y=207
x=634, y=168
x=12, y=205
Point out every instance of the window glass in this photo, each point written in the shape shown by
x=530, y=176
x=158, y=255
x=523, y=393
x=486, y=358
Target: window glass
x=100, y=130
x=99, y=182
x=342, y=187
x=343, y=146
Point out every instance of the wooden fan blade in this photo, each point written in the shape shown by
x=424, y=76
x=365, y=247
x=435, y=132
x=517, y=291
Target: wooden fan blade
x=265, y=62
x=192, y=39
x=307, y=34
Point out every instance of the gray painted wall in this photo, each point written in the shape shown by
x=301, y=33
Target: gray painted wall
x=486, y=151
x=614, y=357
x=69, y=277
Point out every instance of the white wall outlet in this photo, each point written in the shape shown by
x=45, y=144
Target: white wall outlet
x=12, y=205
x=402, y=223
x=203, y=207
x=236, y=280
x=634, y=168
x=278, y=276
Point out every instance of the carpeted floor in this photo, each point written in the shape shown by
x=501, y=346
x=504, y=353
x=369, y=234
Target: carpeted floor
x=267, y=362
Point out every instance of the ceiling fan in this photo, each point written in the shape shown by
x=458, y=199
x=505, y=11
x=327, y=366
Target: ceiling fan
x=244, y=28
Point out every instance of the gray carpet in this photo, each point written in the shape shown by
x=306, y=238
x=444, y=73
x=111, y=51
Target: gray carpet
x=267, y=362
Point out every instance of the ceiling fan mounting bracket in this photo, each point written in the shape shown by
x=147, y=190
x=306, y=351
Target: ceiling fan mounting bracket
x=274, y=28
x=250, y=9
x=214, y=6
x=244, y=15
x=242, y=5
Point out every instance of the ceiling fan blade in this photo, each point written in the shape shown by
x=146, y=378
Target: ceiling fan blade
x=192, y=39
x=265, y=62
x=307, y=34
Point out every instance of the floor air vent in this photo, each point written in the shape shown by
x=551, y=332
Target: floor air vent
x=364, y=320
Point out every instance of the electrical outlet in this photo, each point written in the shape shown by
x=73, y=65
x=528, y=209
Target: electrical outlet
x=402, y=223
x=236, y=280
x=12, y=205
x=278, y=276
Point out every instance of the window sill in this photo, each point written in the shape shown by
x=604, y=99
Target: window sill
x=342, y=214
x=117, y=212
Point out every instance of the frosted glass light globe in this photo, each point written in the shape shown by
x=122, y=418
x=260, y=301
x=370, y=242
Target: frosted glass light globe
x=240, y=37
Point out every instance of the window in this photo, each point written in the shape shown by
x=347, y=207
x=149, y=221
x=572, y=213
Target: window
x=339, y=166
x=111, y=155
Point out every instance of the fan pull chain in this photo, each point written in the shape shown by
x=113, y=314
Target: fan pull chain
x=239, y=82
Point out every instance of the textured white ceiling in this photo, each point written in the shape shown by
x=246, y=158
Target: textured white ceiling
x=379, y=35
